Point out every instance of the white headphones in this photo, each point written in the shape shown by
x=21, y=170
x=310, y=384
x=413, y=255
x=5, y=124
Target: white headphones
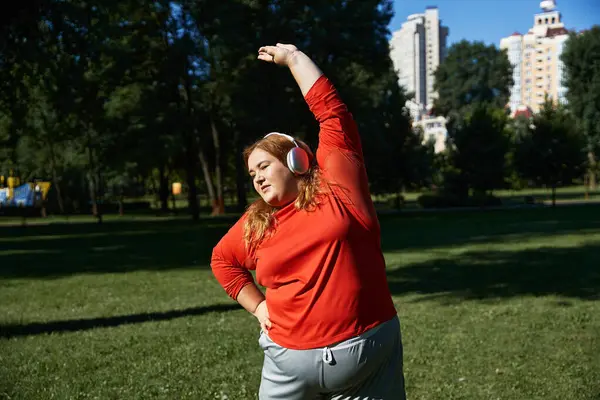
x=297, y=158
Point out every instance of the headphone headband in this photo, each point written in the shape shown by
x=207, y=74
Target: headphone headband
x=288, y=137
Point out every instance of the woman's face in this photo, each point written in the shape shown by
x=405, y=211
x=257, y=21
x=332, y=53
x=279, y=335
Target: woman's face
x=273, y=181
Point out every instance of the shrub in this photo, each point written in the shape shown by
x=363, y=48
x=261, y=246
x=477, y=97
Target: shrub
x=396, y=201
x=448, y=200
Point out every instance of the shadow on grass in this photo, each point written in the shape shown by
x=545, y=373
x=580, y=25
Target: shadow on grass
x=9, y=331
x=520, y=197
x=51, y=251
x=443, y=229
x=569, y=272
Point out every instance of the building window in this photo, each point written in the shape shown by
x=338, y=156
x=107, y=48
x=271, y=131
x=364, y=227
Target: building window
x=546, y=20
x=553, y=19
x=539, y=21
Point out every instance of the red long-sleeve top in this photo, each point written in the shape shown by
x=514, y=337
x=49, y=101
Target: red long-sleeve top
x=323, y=270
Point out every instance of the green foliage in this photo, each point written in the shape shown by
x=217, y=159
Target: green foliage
x=477, y=154
x=107, y=96
x=472, y=74
x=473, y=84
x=582, y=80
x=550, y=150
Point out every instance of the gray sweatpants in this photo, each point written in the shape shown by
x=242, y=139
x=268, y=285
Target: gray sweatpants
x=365, y=367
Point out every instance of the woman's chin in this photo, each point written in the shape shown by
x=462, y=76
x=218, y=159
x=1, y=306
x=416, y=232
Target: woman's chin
x=273, y=201
x=270, y=200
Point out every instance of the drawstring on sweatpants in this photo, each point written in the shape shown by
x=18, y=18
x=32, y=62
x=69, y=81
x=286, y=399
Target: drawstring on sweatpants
x=328, y=356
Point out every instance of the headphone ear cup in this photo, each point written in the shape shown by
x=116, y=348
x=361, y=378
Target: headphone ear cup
x=298, y=161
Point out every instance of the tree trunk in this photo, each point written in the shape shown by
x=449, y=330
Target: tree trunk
x=592, y=170
x=190, y=170
x=92, y=186
x=59, y=197
x=50, y=145
x=190, y=150
x=240, y=176
x=93, y=183
x=218, y=206
x=163, y=188
x=210, y=187
x=553, y=195
x=121, y=210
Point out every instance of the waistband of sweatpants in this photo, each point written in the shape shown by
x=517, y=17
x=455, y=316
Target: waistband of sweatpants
x=341, y=344
x=365, y=335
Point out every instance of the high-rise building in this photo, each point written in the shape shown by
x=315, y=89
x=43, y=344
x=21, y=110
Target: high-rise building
x=535, y=56
x=407, y=51
x=416, y=50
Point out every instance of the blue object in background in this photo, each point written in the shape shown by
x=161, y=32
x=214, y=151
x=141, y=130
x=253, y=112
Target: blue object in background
x=23, y=196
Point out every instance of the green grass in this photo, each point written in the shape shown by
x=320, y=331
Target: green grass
x=493, y=305
x=570, y=194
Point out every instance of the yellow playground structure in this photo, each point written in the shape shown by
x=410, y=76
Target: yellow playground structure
x=13, y=193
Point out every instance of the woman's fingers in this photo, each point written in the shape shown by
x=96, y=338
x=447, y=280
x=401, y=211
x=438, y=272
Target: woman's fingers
x=268, y=49
x=265, y=325
x=279, y=54
x=265, y=57
x=267, y=53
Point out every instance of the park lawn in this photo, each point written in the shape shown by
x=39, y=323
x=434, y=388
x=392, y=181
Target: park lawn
x=494, y=305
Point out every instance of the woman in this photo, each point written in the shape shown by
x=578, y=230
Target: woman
x=328, y=324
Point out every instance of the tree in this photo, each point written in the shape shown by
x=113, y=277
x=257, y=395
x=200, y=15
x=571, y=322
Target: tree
x=392, y=149
x=478, y=150
x=582, y=80
x=109, y=95
x=473, y=84
x=472, y=74
x=551, y=151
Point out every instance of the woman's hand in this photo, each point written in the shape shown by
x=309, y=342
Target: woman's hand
x=262, y=314
x=281, y=54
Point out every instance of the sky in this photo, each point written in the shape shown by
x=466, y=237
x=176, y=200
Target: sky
x=491, y=20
